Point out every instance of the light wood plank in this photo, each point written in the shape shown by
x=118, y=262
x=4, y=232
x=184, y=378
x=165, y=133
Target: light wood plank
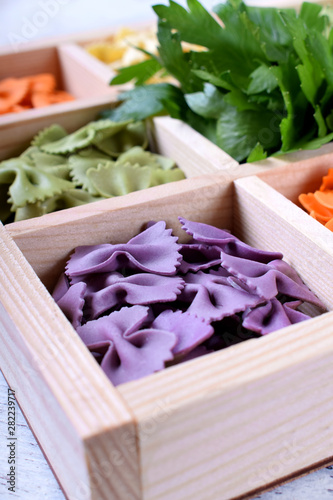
x=61, y=388
x=37, y=482
x=200, y=153
x=296, y=156
x=83, y=75
x=301, y=177
x=33, y=477
x=27, y=63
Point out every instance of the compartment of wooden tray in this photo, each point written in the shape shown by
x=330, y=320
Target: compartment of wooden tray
x=85, y=40
x=168, y=137
x=217, y=427
x=73, y=74
x=300, y=177
x=286, y=184
x=82, y=39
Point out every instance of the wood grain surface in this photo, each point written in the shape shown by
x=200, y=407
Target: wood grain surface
x=36, y=481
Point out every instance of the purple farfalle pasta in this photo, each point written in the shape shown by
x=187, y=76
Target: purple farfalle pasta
x=266, y=280
x=189, y=330
x=213, y=297
x=200, y=350
x=61, y=287
x=271, y=316
x=150, y=303
x=154, y=250
x=197, y=257
x=293, y=314
x=72, y=302
x=138, y=289
x=204, y=233
x=128, y=352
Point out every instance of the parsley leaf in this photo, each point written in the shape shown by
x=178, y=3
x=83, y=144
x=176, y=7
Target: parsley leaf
x=140, y=72
x=260, y=83
x=148, y=100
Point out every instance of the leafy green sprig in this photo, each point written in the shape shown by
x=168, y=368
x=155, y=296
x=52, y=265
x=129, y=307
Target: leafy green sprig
x=261, y=84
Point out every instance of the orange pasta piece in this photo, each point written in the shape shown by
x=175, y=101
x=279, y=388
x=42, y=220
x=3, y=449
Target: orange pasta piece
x=44, y=82
x=18, y=108
x=42, y=99
x=320, y=203
x=315, y=209
x=325, y=198
x=5, y=106
x=329, y=225
x=323, y=219
x=12, y=91
x=61, y=96
x=36, y=91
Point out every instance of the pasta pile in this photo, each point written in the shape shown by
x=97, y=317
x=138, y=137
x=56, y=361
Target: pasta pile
x=60, y=170
x=151, y=302
x=38, y=91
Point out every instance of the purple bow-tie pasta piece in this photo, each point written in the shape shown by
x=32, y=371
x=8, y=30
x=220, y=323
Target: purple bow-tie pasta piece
x=205, y=233
x=72, y=302
x=292, y=313
x=189, y=330
x=270, y=317
x=197, y=256
x=138, y=289
x=61, y=287
x=211, y=235
x=283, y=267
x=212, y=297
x=96, y=281
x=267, y=281
x=154, y=250
x=127, y=352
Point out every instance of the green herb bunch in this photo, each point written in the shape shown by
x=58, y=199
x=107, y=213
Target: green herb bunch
x=261, y=84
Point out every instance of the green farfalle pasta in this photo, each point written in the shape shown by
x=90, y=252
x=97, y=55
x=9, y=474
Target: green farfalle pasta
x=81, y=162
x=133, y=134
x=29, y=184
x=160, y=176
x=50, y=134
x=117, y=179
x=60, y=170
x=68, y=199
x=138, y=155
x=52, y=164
x=71, y=142
x=95, y=133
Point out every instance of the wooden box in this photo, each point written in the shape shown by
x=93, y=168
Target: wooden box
x=167, y=137
x=218, y=427
x=74, y=73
